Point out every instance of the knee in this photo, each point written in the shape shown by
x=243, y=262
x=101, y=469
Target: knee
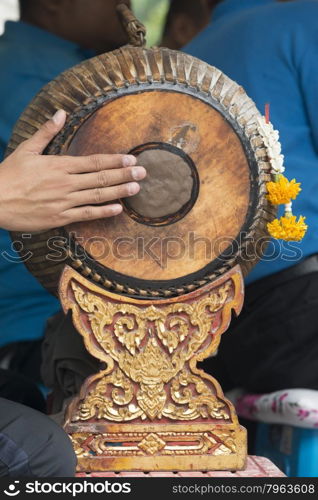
x=64, y=460
x=38, y=446
x=58, y=459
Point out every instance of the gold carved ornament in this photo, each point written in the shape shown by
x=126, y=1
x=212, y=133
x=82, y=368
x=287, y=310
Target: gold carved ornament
x=147, y=352
x=166, y=443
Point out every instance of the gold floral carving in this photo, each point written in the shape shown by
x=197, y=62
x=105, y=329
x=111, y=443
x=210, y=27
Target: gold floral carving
x=116, y=406
x=151, y=444
x=194, y=402
x=150, y=347
x=150, y=407
x=78, y=441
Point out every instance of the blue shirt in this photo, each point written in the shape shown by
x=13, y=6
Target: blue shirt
x=29, y=58
x=271, y=49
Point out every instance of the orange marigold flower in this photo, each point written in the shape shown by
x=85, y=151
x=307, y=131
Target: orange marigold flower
x=282, y=191
x=288, y=228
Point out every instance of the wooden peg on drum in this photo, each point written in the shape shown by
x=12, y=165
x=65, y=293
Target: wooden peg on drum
x=135, y=29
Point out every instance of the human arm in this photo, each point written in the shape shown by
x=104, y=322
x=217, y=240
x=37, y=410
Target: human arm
x=42, y=192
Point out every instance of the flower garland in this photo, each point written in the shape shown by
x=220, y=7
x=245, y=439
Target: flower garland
x=281, y=191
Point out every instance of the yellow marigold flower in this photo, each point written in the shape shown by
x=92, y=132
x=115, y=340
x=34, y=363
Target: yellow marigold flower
x=288, y=228
x=282, y=191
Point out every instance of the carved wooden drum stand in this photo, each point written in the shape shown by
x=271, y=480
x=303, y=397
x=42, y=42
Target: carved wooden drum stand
x=151, y=408
x=152, y=290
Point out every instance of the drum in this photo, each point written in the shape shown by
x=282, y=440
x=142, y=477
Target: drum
x=202, y=208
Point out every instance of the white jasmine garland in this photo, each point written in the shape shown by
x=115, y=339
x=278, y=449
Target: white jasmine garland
x=270, y=138
x=289, y=208
x=288, y=227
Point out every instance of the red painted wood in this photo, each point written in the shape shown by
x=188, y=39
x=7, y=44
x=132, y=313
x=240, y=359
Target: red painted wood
x=256, y=467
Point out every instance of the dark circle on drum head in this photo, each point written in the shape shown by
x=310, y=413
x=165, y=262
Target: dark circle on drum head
x=170, y=189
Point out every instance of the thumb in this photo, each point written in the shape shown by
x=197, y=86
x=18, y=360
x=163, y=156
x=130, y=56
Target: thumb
x=45, y=134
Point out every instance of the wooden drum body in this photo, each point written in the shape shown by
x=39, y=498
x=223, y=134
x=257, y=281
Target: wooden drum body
x=152, y=290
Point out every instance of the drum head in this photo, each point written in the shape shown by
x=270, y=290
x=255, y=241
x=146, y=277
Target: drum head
x=202, y=208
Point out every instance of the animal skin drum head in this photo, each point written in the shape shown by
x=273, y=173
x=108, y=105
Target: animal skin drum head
x=170, y=189
x=202, y=208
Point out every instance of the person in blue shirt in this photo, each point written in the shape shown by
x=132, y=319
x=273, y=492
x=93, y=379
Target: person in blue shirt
x=50, y=37
x=184, y=20
x=270, y=47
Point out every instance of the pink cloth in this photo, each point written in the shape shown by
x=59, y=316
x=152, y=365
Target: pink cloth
x=297, y=407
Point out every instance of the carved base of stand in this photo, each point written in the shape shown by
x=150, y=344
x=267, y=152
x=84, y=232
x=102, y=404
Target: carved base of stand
x=152, y=408
x=159, y=447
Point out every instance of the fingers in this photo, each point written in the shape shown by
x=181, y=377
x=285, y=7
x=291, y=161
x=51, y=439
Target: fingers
x=96, y=163
x=45, y=134
x=106, y=178
x=91, y=213
x=104, y=195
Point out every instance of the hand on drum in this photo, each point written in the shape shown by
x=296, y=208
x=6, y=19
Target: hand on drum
x=42, y=192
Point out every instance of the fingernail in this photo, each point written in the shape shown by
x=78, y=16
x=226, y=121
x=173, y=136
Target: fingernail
x=116, y=209
x=133, y=188
x=138, y=173
x=59, y=117
x=129, y=161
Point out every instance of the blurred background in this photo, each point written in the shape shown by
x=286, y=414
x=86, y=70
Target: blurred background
x=8, y=10
x=150, y=12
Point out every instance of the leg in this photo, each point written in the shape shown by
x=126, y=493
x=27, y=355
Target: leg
x=66, y=361
x=273, y=345
x=31, y=444
x=27, y=360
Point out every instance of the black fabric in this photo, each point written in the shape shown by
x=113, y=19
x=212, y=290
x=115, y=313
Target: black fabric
x=14, y=459
x=273, y=344
x=27, y=359
x=31, y=444
x=66, y=362
x=20, y=381
x=265, y=285
x=18, y=388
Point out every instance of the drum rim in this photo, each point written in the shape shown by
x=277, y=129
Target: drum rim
x=258, y=161
x=184, y=281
